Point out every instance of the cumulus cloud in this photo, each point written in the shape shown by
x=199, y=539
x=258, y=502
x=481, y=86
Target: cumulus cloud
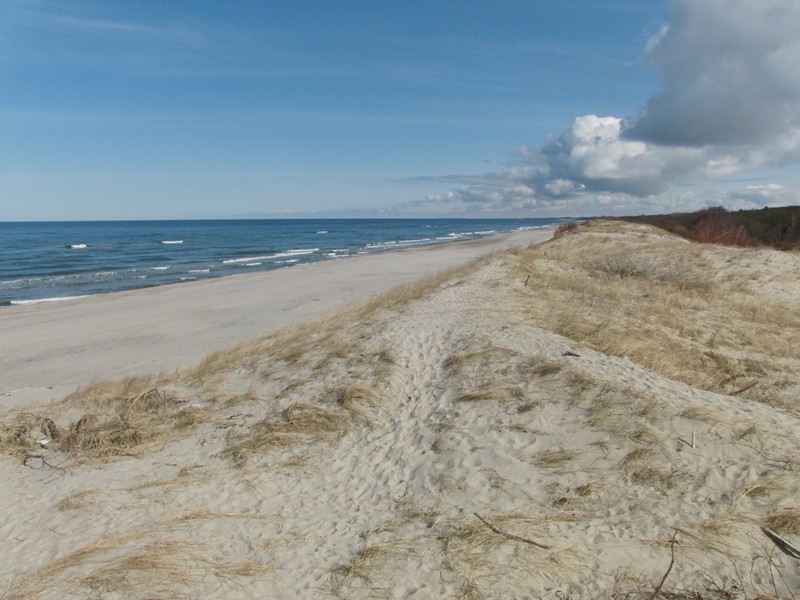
x=592, y=156
x=730, y=102
x=731, y=74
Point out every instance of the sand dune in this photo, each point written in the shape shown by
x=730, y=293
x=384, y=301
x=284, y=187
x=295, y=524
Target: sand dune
x=571, y=420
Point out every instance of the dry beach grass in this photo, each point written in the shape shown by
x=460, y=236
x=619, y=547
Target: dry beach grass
x=559, y=421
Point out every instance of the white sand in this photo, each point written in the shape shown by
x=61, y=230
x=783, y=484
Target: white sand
x=49, y=349
x=422, y=413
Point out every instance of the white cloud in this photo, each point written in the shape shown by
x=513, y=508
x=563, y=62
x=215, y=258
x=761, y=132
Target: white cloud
x=731, y=73
x=757, y=196
x=591, y=156
x=730, y=103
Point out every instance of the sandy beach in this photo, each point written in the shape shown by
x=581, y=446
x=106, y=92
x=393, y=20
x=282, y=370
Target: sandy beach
x=611, y=413
x=50, y=349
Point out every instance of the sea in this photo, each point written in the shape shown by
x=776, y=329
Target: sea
x=52, y=261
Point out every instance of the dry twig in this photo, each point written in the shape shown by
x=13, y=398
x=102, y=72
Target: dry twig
x=510, y=535
x=669, y=568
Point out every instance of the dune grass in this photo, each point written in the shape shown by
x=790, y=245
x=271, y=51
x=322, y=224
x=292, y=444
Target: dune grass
x=627, y=290
x=473, y=548
x=116, y=419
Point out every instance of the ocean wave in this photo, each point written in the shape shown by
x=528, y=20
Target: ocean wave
x=77, y=246
x=13, y=282
x=41, y=300
x=323, y=231
x=172, y=242
x=159, y=268
x=55, y=278
x=200, y=271
x=252, y=264
x=233, y=261
x=296, y=252
x=398, y=243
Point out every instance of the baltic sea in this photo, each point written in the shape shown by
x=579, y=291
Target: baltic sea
x=49, y=261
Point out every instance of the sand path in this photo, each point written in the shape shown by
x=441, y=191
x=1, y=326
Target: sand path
x=50, y=349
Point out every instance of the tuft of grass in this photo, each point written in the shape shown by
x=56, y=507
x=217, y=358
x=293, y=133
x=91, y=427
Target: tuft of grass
x=46, y=576
x=652, y=270
x=590, y=488
x=638, y=455
x=542, y=367
x=554, y=457
x=472, y=547
x=500, y=394
x=19, y=435
x=243, y=569
x=365, y=562
x=120, y=418
x=205, y=514
x=298, y=423
x=167, y=563
x=768, y=485
x=699, y=414
x=785, y=521
x=470, y=590
x=76, y=500
x=354, y=398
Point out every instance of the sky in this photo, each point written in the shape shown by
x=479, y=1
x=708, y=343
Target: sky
x=111, y=109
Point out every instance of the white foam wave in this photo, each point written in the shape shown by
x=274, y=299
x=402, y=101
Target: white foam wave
x=253, y=264
x=172, y=242
x=200, y=271
x=77, y=246
x=41, y=300
x=323, y=231
x=297, y=252
x=233, y=261
x=18, y=281
x=160, y=268
x=398, y=243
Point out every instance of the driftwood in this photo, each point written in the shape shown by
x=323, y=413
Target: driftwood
x=511, y=536
x=784, y=546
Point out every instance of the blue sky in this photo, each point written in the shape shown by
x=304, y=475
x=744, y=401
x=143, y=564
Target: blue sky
x=116, y=110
